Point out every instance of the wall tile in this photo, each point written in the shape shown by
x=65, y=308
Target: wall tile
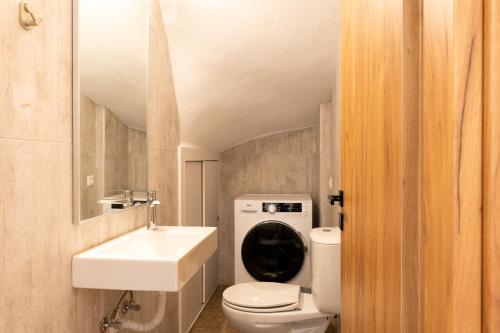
x=273, y=173
x=163, y=179
x=328, y=148
x=30, y=104
x=88, y=310
x=163, y=118
x=299, y=171
x=294, y=142
x=37, y=234
x=251, y=174
x=30, y=233
x=273, y=144
x=309, y=145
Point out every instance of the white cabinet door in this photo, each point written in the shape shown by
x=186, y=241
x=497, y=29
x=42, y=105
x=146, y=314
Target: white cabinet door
x=210, y=192
x=193, y=194
x=192, y=299
x=192, y=293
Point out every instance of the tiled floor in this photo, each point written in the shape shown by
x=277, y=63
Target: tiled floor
x=212, y=319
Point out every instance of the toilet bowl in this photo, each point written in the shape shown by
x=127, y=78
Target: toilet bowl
x=261, y=307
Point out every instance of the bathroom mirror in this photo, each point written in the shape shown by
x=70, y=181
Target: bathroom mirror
x=110, y=89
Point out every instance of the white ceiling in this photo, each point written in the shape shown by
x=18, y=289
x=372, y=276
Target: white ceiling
x=113, y=37
x=246, y=68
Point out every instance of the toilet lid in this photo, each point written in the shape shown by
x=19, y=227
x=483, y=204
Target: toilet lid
x=262, y=295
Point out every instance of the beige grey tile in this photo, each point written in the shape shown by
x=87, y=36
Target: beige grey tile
x=6, y=195
x=116, y=154
x=273, y=144
x=163, y=118
x=7, y=24
x=163, y=179
x=29, y=64
x=65, y=294
x=273, y=173
x=251, y=174
x=326, y=211
x=65, y=69
x=88, y=234
x=309, y=144
x=117, y=224
x=294, y=142
x=88, y=313
x=37, y=237
x=299, y=173
x=140, y=216
x=30, y=232
x=246, y=149
x=137, y=160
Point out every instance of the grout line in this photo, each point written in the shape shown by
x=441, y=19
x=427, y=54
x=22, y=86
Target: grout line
x=2, y=138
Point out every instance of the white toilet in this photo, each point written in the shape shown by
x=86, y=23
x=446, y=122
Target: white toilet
x=259, y=307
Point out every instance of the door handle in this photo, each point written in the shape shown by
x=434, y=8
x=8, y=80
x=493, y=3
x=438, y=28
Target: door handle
x=337, y=198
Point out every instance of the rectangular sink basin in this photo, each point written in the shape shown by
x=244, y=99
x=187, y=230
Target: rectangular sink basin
x=155, y=260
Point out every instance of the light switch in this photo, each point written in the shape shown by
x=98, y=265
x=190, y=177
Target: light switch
x=90, y=180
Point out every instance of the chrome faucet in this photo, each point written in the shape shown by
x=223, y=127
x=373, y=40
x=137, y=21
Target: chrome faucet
x=151, y=203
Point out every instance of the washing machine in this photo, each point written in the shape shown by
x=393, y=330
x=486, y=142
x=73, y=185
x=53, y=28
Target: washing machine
x=271, y=235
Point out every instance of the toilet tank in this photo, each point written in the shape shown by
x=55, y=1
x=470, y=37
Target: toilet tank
x=325, y=262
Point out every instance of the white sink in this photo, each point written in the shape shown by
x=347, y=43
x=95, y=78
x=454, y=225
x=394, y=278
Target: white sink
x=160, y=260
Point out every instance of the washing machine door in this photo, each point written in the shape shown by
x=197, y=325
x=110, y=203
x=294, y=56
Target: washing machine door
x=273, y=251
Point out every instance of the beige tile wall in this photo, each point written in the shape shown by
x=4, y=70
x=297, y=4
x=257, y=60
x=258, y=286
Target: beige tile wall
x=280, y=163
x=37, y=236
x=115, y=154
x=91, y=157
x=329, y=172
x=137, y=160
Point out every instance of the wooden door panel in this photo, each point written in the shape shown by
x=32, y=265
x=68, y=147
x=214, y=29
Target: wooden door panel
x=491, y=167
x=410, y=94
x=451, y=166
x=370, y=98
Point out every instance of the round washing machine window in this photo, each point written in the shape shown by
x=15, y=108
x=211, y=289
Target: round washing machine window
x=273, y=251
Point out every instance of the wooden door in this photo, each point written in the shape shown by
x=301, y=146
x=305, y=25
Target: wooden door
x=410, y=96
x=370, y=99
x=210, y=181
x=491, y=168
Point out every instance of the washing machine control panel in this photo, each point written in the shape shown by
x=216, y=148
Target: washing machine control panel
x=281, y=207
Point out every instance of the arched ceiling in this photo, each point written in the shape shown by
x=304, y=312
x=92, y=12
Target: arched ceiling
x=247, y=68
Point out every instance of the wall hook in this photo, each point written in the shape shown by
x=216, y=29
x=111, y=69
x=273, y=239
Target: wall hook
x=27, y=19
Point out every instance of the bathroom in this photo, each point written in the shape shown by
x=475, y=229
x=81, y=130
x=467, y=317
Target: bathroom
x=136, y=136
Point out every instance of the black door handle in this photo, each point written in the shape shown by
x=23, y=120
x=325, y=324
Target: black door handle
x=337, y=198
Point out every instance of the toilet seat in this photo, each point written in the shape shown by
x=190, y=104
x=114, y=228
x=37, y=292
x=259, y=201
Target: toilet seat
x=263, y=297
x=291, y=307
x=308, y=311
